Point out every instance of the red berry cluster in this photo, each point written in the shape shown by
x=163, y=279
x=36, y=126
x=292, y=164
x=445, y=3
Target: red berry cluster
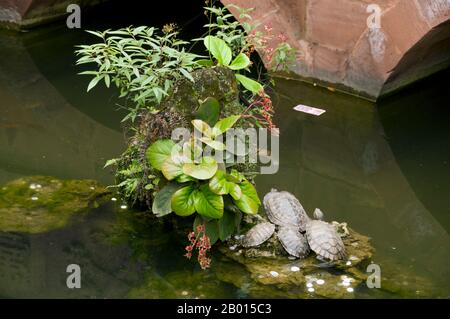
x=261, y=110
x=202, y=243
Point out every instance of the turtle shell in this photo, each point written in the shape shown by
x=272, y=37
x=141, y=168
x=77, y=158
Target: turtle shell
x=324, y=240
x=258, y=234
x=283, y=209
x=293, y=242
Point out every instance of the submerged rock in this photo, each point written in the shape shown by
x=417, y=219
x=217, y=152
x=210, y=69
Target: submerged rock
x=269, y=266
x=40, y=204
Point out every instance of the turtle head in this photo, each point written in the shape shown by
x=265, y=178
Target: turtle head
x=318, y=214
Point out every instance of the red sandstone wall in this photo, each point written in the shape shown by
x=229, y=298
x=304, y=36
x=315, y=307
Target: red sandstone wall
x=336, y=46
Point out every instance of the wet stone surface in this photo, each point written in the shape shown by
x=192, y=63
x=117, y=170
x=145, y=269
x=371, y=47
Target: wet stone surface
x=39, y=204
x=268, y=265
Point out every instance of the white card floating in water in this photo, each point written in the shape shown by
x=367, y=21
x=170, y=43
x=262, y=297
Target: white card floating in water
x=309, y=110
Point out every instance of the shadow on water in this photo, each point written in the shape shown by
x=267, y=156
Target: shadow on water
x=384, y=169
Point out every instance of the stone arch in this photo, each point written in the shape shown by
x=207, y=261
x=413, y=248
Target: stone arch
x=428, y=55
x=337, y=48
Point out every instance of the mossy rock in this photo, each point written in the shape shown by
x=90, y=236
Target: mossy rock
x=39, y=204
x=219, y=83
x=268, y=266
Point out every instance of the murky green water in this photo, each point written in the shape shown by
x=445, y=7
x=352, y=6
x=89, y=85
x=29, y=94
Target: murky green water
x=384, y=169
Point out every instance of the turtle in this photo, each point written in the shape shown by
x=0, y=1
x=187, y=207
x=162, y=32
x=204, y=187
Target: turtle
x=296, y=231
x=324, y=239
x=294, y=242
x=284, y=209
x=258, y=234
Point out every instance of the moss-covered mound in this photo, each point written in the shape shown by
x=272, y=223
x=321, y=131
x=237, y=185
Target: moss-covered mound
x=40, y=204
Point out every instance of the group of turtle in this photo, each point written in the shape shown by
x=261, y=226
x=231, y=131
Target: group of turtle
x=297, y=233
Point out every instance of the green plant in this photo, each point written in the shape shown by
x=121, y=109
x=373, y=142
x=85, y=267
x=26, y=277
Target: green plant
x=223, y=24
x=249, y=35
x=201, y=185
x=146, y=64
x=142, y=62
x=222, y=53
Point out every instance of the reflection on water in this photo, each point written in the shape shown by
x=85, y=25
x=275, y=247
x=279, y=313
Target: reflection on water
x=383, y=169
x=344, y=163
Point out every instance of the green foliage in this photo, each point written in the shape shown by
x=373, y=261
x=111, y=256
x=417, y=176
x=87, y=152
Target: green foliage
x=159, y=152
x=222, y=53
x=219, y=49
x=284, y=57
x=249, y=84
x=240, y=62
x=223, y=24
x=130, y=177
x=206, y=188
x=161, y=204
x=209, y=111
x=145, y=64
x=205, y=170
x=142, y=62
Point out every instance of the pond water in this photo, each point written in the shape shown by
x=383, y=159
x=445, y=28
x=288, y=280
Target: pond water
x=383, y=168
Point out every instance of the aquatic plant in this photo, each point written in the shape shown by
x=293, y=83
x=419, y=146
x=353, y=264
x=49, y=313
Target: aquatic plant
x=201, y=184
x=156, y=74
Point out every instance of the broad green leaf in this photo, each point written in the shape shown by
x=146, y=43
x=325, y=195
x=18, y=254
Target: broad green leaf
x=158, y=152
x=172, y=169
x=217, y=184
x=208, y=204
x=218, y=146
x=211, y=228
x=235, y=191
x=185, y=179
x=249, y=84
x=227, y=123
x=203, y=171
x=227, y=225
x=162, y=202
x=238, y=176
x=209, y=111
x=240, y=62
x=183, y=201
x=205, y=62
x=202, y=127
x=249, y=202
x=219, y=49
x=220, y=184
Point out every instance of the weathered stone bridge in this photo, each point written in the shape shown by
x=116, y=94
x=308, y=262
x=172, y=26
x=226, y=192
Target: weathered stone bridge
x=339, y=47
x=339, y=42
